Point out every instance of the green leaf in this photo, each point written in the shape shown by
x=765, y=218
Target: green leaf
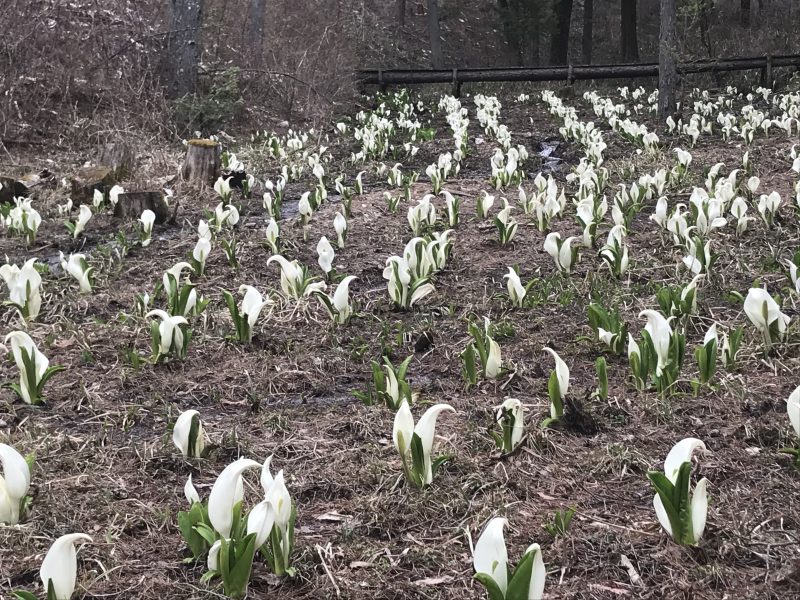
x=239, y=574
x=418, y=457
x=326, y=302
x=554, y=391
x=194, y=430
x=495, y=593
x=602, y=377
x=187, y=520
x=470, y=371
x=438, y=462
x=520, y=581
x=23, y=595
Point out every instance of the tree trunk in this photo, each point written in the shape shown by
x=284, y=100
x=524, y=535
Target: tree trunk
x=255, y=31
x=435, y=34
x=119, y=157
x=630, y=43
x=667, y=71
x=183, y=52
x=536, y=38
x=401, y=13
x=705, y=21
x=744, y=13
x=202, y=162
x=87, y=180
x=559, y=43
x=588, y=30
x=131, y=205
x=513, y=30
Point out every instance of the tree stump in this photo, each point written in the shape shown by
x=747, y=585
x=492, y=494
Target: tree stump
x=202, y=162
x=87, y=180
x=130, y=206
x=11, y=188
x=119, y=158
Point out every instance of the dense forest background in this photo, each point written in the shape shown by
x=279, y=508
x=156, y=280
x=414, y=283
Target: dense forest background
x=78, y=68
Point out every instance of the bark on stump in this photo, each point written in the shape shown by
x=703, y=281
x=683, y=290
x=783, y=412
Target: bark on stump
x=10, y=188
x=202, y=162
x=119, y=158
x=131, y=205
x=87, y=180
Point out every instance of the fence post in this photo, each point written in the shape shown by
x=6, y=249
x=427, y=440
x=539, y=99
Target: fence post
x=768, y=72
x=570, y=75
x=381, y=83
x=456, y=84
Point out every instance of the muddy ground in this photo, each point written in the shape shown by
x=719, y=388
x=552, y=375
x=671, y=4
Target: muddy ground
x=105, y=463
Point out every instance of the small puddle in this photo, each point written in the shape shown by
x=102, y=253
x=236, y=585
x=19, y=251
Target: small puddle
x=550, y=162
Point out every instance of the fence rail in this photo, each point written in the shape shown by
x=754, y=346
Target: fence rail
x=386, y=77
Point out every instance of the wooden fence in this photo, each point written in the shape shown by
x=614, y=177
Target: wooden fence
x=569, y=74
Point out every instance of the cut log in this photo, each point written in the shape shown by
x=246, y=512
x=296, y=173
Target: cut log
x=131, y=205
x=119, y=158
x=87, y=180
x=202, y=162
x=11, y=188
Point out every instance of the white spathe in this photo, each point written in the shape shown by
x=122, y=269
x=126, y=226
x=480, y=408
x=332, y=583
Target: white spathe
x=14, y=484
x=60, y=565
x=226, y=492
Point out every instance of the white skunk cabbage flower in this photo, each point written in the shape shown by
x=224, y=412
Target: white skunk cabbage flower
x=176, y=271
x=765, y=314
x=273, y=233
x=661, y=334
x=14, y=484
x=304, y=207
x=113, y=194
x=29, y=383
x=201, y=251
x=223, y=188
x=326, y=254
x=97, y=200
x=768, y=206
x=516, y=291
x=203, y=230
x=558, y=385
x=490, y=561
x=147, y=219
x=169, y=330
x=77, y=267
x=225, y=215
x=494, y=360
x=188, y=434
x=24, y=287
x=562, y=252
x=340, y=226
x=60, y=565
x=404, y=432
x=490, y=556
x=277, y=494
x=260, y=521
x=213, y=556
x=252, y=304
x=694, y=508
x=190, y=492
x=228, y=490
x=294, y=281
x=84, y=215
x=660, y=215
x=513, y=408
x=793, y=409
x=338, y=306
